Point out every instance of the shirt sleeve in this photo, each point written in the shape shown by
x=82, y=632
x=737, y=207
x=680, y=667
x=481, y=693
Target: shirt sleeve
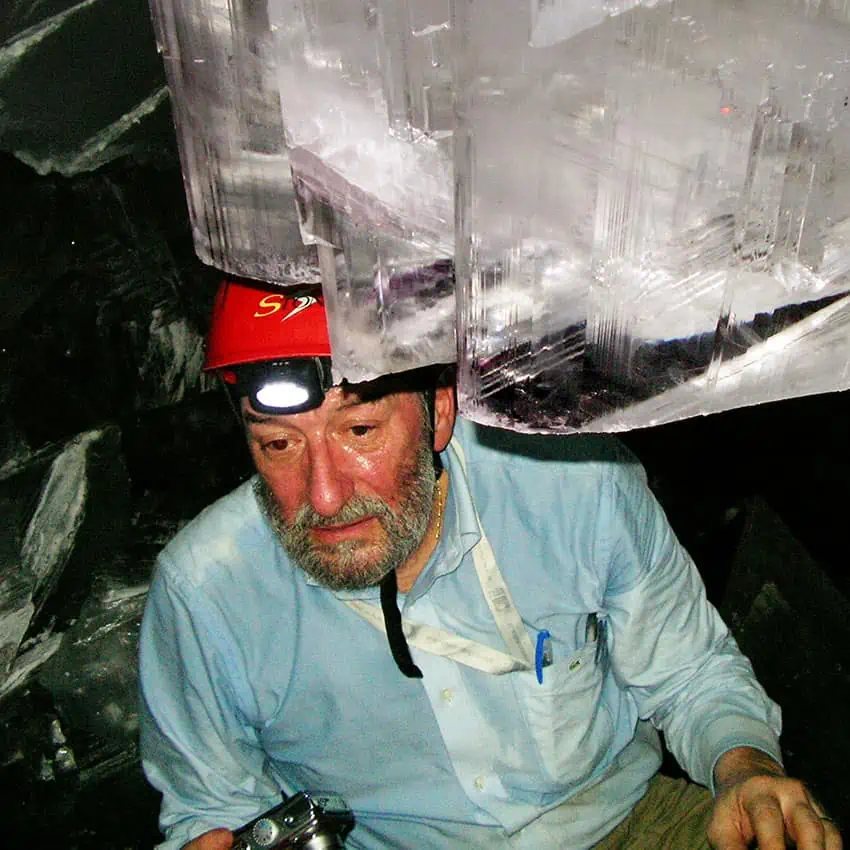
x=669, y=647
x=195, y=747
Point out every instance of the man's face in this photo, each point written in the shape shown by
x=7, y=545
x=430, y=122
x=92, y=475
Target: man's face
x=348, y=486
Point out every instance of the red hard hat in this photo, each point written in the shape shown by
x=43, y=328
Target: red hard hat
x=251, y=325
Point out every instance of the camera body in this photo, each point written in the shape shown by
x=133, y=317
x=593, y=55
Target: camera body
x=312, y=821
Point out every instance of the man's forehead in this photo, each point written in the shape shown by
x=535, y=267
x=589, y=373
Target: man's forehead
x=337, y=399
x=348, y=395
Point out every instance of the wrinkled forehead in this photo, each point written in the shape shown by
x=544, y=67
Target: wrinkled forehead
x=340, y=399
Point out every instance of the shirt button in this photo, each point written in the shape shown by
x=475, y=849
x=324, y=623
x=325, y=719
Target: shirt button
x=447, y=694
x=479, y=783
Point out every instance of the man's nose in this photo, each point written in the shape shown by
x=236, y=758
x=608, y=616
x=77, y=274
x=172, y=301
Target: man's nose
x=329, y=486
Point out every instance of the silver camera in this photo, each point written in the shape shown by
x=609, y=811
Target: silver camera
x=313, y=821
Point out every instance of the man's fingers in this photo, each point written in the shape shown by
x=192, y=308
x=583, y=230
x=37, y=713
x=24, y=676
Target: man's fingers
x=726, y=831
x=726, y=839
x=216, y=839
x=808, y=829
x=770, y=810
x=832, y=835
x=768, y=824
x=800, y=821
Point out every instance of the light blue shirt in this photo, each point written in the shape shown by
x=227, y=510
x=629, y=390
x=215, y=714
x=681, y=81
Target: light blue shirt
x=254, y=679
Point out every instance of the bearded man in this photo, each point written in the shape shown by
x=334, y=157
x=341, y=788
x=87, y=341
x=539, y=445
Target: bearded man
x=470, y=635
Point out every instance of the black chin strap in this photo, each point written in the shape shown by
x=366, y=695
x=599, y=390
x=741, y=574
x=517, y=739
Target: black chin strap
x=392, y=620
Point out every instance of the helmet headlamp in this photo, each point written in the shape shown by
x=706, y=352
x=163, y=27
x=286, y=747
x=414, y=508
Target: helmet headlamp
x=282, y=387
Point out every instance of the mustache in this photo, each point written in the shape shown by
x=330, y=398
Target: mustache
x=355, y=509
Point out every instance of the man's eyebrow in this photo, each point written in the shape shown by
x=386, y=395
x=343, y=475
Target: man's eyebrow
x=353, y=398
x=256, y=418
x=356, y=401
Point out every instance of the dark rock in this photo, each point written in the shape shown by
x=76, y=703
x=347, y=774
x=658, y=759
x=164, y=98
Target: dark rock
x=20, y=494
x=101, y=531
x=187, y=455
x=57, y=531
x=81, y=84
x=93, y=681
x=108, y=330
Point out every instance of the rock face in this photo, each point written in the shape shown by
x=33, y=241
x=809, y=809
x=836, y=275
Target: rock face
x=31, y=575
x=81, y=83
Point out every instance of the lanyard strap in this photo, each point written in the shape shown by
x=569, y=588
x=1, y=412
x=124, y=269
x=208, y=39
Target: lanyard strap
x=521, y=653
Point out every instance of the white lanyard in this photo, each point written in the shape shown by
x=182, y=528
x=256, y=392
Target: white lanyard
x=521, y=653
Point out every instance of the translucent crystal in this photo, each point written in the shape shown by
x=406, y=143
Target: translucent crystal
x=220, y=64
x=650, y=197
x=653, y=208
x=365, y=92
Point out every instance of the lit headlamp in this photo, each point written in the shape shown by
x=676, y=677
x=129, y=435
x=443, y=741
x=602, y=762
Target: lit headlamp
x=282, y=386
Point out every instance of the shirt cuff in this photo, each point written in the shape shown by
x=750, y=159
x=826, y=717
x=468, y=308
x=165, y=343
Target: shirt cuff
x=732, y=732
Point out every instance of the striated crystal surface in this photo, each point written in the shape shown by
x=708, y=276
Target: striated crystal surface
x=365, y=93
x=327, y=121
x=219, y=64
x=653, y=208
x=649, y=199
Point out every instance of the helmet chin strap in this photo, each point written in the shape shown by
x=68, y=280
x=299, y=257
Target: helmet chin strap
x=431, y=405
x=392, y=621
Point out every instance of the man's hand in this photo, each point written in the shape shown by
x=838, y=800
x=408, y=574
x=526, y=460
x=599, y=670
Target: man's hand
x=756, y=800
x=217, y=839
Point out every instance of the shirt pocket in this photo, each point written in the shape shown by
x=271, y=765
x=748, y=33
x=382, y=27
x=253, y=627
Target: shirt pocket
x=568, y=720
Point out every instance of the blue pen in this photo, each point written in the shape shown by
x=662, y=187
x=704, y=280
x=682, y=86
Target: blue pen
x=542, y=653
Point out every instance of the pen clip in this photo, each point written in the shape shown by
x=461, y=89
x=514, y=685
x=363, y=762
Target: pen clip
x=542, y=653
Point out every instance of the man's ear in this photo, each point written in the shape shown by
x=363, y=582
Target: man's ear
x=445, y=413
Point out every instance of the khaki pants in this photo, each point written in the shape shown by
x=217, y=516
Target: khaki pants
x=673, y=815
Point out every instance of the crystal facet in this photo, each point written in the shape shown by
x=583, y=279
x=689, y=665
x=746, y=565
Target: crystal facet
x=630, y=211
x=654, y=209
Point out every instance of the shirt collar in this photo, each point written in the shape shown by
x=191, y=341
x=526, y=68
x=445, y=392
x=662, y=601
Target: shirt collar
x=460, y=530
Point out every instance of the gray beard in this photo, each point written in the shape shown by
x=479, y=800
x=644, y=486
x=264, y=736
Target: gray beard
x=348, y=565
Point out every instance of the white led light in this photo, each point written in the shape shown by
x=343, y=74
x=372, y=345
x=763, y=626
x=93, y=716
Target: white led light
x=282, y=394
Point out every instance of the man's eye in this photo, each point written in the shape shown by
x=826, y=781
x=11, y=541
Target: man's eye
x=278, y=445
x=361, y=430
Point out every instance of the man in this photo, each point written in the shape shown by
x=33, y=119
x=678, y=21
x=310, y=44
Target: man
x=552, y=624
